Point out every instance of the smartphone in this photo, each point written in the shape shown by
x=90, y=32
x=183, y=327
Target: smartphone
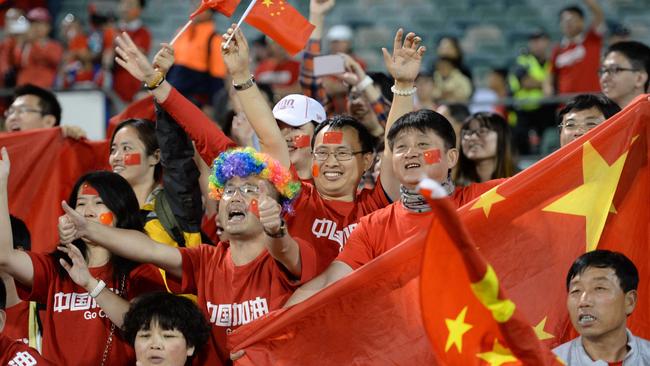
x=329, y=65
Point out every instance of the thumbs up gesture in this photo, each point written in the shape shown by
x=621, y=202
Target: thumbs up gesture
x=72, y=225
x=270, y=215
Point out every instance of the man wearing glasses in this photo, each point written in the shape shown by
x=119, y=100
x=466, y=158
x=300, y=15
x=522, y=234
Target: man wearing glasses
x=583, y=113
x=34, y=107
x=625, y=71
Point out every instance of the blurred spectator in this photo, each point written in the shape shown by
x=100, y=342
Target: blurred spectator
x=456, y=114
x=259, y=51
x=198, y=70
x=77, y=68
x=449, y=83
x=33, y=107
x=583, y=113
x=575, y=60
x=485, y=149
x=126, y=86
x=449, y=47
x=37, y=58
x=16, y=27
x=618, y=33
x=625, y=71
x=529, y=82
x=424, y=93
x=279, y=70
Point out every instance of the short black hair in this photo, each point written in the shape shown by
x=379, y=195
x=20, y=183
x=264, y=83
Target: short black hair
x=171, y=312
x=20, y=234
x=637, y=53
x=338, y=122
x=459, y=111
x=46, y=100
x=3, y=295
x=573, y=9
x=424, y=120
x=587, y=101
x=628, y=275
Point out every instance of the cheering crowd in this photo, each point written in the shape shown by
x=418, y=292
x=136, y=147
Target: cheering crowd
x=202, y=227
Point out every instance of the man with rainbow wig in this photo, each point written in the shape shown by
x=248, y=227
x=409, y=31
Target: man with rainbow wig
x=239, y=280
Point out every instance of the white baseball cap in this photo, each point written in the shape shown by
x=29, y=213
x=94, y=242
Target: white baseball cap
x=339, y=32
x=297, y=110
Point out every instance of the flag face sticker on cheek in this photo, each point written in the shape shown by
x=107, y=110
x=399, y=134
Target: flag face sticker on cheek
x=314, y=170
x=254, y=208
x=88, y=190
x=334, y=137
x=106, y=218
x=132, y=159
x=301, y=141
x=432, y=156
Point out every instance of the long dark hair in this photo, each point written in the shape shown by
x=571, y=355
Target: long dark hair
x=146, y=131
x=505, y=166
x=118, y=196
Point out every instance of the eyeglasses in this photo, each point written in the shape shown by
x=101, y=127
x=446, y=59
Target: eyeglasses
x=613, y=70
x=480, y=133
x=21, y=110
x=340, y=155
x=572, y=126
x=247, y=190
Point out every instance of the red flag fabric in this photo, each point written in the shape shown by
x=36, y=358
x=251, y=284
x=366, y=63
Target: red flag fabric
x=44, y=168
x=225, y=7
x=282, y=22
x=141, y=108
x=592, y=193
x=468, y=317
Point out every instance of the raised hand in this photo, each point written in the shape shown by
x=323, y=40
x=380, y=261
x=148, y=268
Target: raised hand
x=5, y=165
x=404, y=63
x=353, y=71
x=72, y=225
x=270, y=214
x=236, y=54
x=164, y=59
x=321, y=7
x=132, y=59
x=78, y=270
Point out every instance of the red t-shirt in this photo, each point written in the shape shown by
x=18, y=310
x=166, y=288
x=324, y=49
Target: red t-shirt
x=384, y=229
x=280, y=74
x=17, y=324
x=16, y=353
x=75, y=329
x=125, y=85
x=327, y=224
x=38, y=63
x=575, y=65
x=230, y=295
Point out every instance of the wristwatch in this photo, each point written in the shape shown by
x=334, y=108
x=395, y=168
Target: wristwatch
x=158, y=79
x=245, y=85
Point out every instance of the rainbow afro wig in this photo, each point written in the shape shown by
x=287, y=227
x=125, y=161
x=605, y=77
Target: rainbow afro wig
x=246, y=162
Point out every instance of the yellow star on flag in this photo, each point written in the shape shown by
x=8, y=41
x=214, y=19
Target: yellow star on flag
x=593, y=198
x=487, y=199
x=457, y=328
x=267, y=3
x=540, y=332
x=498, y=355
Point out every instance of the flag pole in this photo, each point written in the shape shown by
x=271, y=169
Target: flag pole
x=189, y=22
x=248, y=10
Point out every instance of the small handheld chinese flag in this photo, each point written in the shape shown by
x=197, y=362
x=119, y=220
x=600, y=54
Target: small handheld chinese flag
x=225, y=7
x=282, y=22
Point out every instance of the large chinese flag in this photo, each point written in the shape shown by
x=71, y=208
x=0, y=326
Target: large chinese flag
x=44, y=167
x=225, y=7
x=468, y=317
x=282, y=22
x=592, y=193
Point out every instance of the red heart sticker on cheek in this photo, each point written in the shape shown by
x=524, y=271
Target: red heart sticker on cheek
x=334, y=137
x=254, y=208
x=301, y=141
x=432, y=156
x=88, y=190
x=314, y=170
x=106, y=218
x=132, y=159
